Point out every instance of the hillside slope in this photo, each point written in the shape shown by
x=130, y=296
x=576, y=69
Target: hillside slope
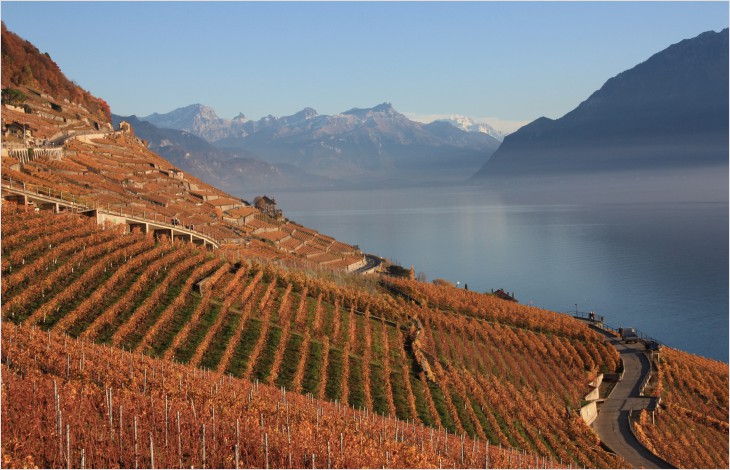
x=26, y=69
x=122, y=348
x=113, y=409
x=694, y=393
x=477, y=370
x=457, y=361
x=68, y=156
x=670, y=111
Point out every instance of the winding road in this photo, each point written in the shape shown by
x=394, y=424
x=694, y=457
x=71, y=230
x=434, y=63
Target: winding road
x=371, y=264
x=612, y=424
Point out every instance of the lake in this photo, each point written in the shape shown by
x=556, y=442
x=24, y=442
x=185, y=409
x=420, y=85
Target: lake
x=661, y=267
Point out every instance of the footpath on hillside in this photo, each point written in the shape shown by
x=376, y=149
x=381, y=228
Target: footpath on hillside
x=612, y=423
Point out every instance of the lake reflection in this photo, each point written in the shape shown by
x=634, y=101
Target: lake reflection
x=659, y=267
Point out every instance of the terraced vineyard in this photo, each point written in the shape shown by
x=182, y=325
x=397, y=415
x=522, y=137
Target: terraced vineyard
x=69, y=403
x=485, y=368
x=116, y=172
x=691, y=428
x=126, y=350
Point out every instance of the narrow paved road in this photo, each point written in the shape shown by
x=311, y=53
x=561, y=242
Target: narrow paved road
x=371, y=263
x=612, y=424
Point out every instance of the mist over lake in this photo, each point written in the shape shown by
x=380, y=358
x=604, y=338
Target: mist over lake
x=660, y=264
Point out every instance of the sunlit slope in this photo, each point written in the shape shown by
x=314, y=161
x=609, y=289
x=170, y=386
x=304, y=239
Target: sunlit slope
x=117, y=173
x=26, y=69
x=690, y=430
x=58, y=141
x=486, y=368
x=73, y=404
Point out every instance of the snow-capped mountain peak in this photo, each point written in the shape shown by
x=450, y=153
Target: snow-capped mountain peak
x=467, y=124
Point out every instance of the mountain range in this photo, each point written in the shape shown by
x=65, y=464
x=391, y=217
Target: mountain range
x=230, y=170
x=669, y=112
x=358, y=145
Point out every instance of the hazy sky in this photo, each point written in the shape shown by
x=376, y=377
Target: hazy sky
x=509, y=61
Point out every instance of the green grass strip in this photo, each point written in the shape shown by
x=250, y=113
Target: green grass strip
x=421, y=404
x=262, y=368
x=483, y=421
x=180, y=318
x=464, y=417
x=289, y=361
x=376, y=346
x=327, y=321
x=400, y=399
x=333, y=389
x=313, y=368
x=275, y=301
x=217, y=347
x=438, y=400
x=356, y=397
x=250, y=335
x=167, y=298
x=345, y=319
x=378, y=390
x=506, y=429
x=358, y=342
x=186, y=350
x=310, y=307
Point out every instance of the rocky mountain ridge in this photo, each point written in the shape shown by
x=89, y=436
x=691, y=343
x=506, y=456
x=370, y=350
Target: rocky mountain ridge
x=361, y=144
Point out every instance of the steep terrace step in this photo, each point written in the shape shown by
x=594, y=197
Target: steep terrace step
x=50, y=196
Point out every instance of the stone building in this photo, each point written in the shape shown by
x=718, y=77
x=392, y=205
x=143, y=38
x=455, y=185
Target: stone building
x=267, y=206
x=126, y=127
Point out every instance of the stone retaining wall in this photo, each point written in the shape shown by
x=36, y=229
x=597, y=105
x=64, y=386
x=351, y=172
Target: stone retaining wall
x=589, y=412
x=27, y=154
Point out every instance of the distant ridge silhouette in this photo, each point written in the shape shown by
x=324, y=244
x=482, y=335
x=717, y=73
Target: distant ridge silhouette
x=670, y=111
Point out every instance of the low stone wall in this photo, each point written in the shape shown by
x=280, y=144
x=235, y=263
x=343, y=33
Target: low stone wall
x=55, y=152
x=15, y=108
x=597, y=381
x=115, y=219
x=589, y=413
x=593, y=395
x=201, y=286
x=86, y=138
x=356, y=265
x=26, y=154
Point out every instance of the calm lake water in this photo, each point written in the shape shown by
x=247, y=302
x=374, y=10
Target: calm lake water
x=659, y=267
